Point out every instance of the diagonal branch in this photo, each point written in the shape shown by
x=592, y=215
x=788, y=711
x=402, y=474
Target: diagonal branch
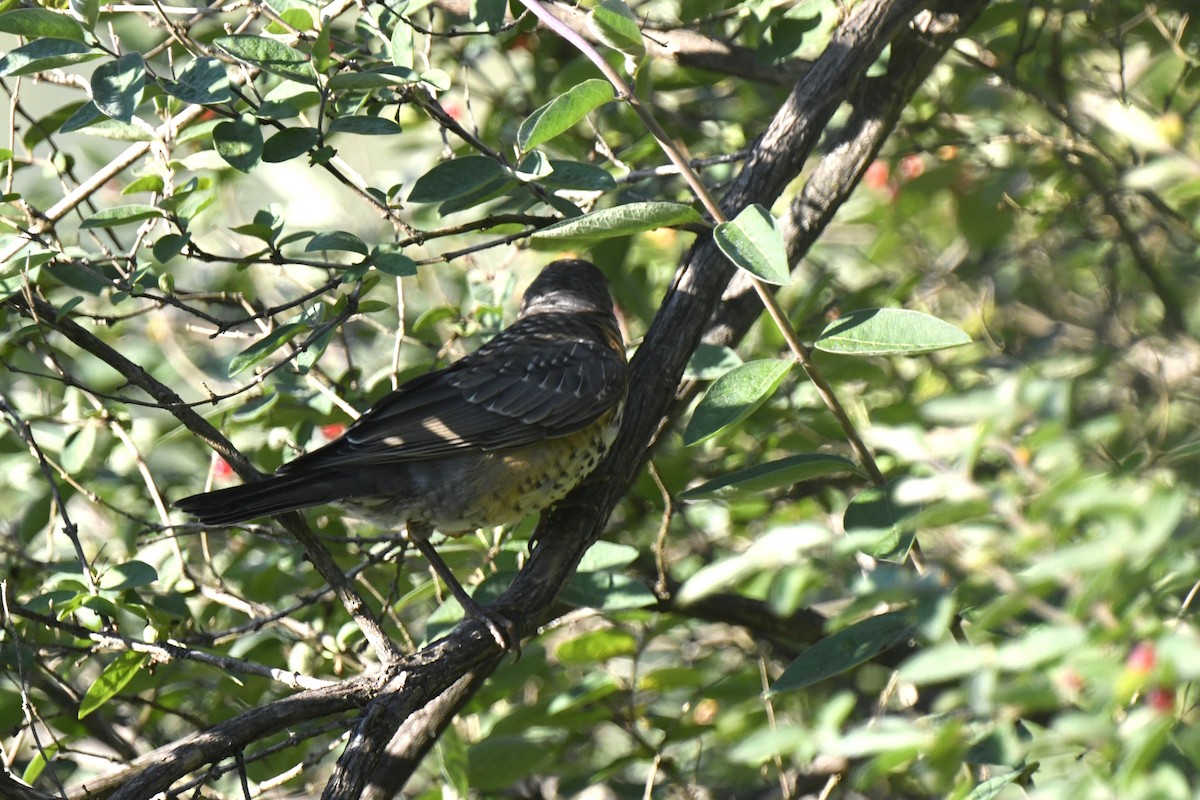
x=567, y=530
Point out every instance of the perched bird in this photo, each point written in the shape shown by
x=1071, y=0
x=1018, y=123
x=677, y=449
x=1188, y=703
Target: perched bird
x=504, y=431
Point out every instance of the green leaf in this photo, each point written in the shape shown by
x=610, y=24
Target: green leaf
x=270, y=55
x=881, y=520
x=579, y=176
x=40, y=23
x=563, y=112
x=119, y=672
x=500, y=761
x=889, y=331
x=752, y=241
x=364, y=126
x=129, y=575
x=121, y=215
x=390, y=261
x=146, y=183
x=403, y=45
x=289, y=143
x=607, y=591
x=337, y=240
x=239, y=142
x=617, y=26
x=624, y=220
x=596, y=646
x=455, y=178
x=436, y=79
x=374, y=79
x=710, y=361
x=298, y=18
x=168, y=247
x=86, y=10
x=734, y=396
x=84, y=117
x=44, y=54
x=772, y=474
x=117, y=86
x=846, y=649
x=264, y=347
x=202, y=82
x=605, y=555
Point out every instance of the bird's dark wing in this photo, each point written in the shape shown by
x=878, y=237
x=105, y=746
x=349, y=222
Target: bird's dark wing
x=522, y=387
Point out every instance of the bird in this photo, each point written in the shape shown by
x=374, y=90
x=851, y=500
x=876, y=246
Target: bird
x=504, y=431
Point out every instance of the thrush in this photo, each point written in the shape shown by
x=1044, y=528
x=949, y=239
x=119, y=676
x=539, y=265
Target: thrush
x=505, y=431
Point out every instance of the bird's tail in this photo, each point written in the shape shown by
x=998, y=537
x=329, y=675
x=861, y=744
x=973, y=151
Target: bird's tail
x=265, y=498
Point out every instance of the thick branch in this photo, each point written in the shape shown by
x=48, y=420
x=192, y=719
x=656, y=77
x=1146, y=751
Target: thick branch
x=567, y=530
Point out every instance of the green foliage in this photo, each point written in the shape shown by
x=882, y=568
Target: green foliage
x=279, y=223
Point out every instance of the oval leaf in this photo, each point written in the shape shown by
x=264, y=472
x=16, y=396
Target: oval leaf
x=270, y=55
x=617, y=26
x=364, y=126
x=239, y=142
x=337, y=240
x=117, y=86
x=734, y=396
x=580, y=176
x=40, y=23
x=881, y=520
x=752, y=241
x=761, y=477
x=264, y=347
x=202, y=82
x=119, y=672
x=561, y=113
x=889, y=331
x=623, y=220
x=121, y=215
x=455, y=178
x=289, y=143
x=846, y=649
x=44, y=54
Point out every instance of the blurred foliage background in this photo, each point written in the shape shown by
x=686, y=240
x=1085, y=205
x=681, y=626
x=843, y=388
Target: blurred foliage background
x=262, y=256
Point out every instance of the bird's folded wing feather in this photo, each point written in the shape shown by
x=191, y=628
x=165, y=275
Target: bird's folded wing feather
x=484, y=403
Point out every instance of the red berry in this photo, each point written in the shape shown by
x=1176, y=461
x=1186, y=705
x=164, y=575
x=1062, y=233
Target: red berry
x=1142, y=658
x=333, y=430
x=1161, y=699
x=876, y=176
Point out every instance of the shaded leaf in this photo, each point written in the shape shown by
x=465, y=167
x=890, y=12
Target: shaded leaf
x=455, y=178
x=264, y=347
x=117, y=86
x=880, y=522
x=119, y=672
x=121, y=215
x=289, y=143
x=337, y=240
x=239, y=142
x=773, y=474
x=710, y=361
x=374, y=79
x=846, y=649
x=364, y=126
x=203, y=82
